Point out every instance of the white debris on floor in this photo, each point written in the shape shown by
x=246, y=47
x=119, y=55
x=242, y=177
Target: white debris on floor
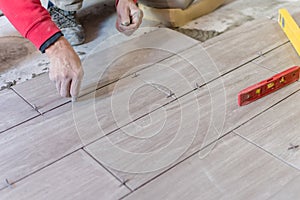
x=98, y=18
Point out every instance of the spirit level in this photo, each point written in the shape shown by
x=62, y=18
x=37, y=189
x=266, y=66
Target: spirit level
x=259, y=90
x=268, y=86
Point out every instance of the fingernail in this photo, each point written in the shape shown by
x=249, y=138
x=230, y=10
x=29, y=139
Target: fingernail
x=125, y=23
x=74, y=99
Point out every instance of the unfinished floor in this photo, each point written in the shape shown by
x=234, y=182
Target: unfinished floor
x=158, y=119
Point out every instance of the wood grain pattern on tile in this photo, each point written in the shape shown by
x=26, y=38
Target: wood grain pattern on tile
x=235, y=48
x=279, y=59
x=183, y=72
x=109, y=65
x=77, y=176
x=276, y=130
x=41, y=92
x=14, y=110
x=234, y=169
x=211, y=111
x=37, y=143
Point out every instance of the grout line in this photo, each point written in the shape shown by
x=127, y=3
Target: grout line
x=118, y=79
x=266, y=151
x=218, y=139
x=146, y=67
x=176, y=164
x=259, y=65
x=42, y=168
x=250, y=61
x=31, y=105
x=275, y=104
x=56, y=107
x=231, y=31
x=173, y=166
x=109, y=171
x=147, y=114
x=271, y=70
x=181, y=96
x=18, y=124
x=27, y=120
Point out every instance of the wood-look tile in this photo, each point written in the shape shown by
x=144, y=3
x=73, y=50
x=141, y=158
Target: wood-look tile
x=39, y=142
x=103, y=67
x=244, y=43
x=41, y=92
x=165, y=135
x=279, y=59
x=14, y=110
x=276, y=130
x=289, y=191
x=108, y=65
x=234, y=169
x=114, y=106
x=183, y=72
x=76, y=176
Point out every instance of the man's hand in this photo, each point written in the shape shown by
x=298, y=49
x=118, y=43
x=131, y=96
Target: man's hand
x=129, y=17
x=65, y=70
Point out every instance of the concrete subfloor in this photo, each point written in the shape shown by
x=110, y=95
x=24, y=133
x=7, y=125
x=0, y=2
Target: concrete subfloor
x=20, y=61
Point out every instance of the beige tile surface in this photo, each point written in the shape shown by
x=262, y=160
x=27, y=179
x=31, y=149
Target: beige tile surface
x=37, y=143
x=109, y=65
x=182, y=127
x=234, y=169
x=276, y=130
x=148, y=133
x=41, y=92
x=279, y=59
x=77, y=176
x=14, y=110
x=244, y=43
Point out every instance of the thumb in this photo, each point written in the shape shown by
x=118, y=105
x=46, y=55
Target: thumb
x=124, y=17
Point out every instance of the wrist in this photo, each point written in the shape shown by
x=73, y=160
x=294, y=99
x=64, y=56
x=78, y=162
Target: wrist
x=50, y=41
x=56, y=46
x=117, y=1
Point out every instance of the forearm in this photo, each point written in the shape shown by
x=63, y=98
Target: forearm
x=30, y=19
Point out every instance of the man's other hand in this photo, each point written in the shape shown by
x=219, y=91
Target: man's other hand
x=129, y=17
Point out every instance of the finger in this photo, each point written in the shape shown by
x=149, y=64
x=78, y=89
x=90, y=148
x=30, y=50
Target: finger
x=136, y=22
x=75, y=88
x=137, y=18
x=58, y=85
x=131, y=27
x=124, y=17
x=65, y=88
x=129, y=32
x=125, y=23
x=52, y=76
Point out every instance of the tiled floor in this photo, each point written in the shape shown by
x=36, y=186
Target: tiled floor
x=158, y=119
